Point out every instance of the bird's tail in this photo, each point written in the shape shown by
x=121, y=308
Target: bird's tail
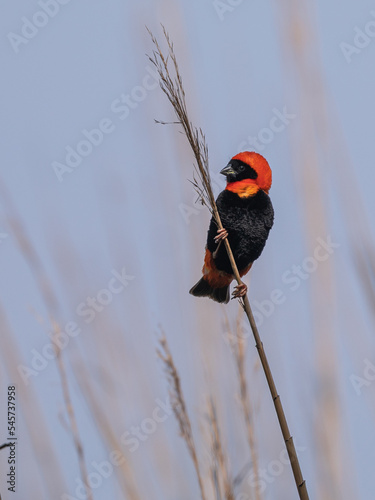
x=204, y=289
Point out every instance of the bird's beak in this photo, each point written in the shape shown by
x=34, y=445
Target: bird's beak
x=228, y=170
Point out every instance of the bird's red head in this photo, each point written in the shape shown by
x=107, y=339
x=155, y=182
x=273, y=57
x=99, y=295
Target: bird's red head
x=247, y=173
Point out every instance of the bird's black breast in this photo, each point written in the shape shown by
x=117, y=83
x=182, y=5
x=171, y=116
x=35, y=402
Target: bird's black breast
x=248, y=222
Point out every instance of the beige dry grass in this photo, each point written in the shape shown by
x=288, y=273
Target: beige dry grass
x=51, y=302
x=179, y=408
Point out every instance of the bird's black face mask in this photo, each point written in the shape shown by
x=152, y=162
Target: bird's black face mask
x=237, y=170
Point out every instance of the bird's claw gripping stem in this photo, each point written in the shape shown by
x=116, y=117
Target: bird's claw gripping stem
x=221, y=235
x=239, y=291
x=219, y=238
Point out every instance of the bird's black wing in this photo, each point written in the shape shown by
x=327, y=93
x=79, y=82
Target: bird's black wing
x=268, y=215
x=248, y=222
x=212, y=230
x=224, y=205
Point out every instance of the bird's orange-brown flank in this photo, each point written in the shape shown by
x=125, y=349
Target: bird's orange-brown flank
x=215, y=277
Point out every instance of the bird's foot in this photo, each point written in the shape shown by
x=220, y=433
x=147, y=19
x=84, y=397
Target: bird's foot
x=239, y=291
x=221, y=235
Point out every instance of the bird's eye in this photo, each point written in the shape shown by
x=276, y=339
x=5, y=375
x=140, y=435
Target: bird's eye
x=241, y=168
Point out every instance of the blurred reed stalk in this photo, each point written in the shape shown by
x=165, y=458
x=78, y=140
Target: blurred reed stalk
x=73, y=426
x=50, y=480
x=179, y=407
x=46, y=291
x=238, y=346
x=173, y=88
x=124, y=471
x=222, y=483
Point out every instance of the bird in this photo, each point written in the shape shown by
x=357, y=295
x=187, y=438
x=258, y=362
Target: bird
x=247, y=216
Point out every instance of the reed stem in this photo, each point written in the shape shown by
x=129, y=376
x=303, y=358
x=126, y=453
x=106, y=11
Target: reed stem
x=173, y=89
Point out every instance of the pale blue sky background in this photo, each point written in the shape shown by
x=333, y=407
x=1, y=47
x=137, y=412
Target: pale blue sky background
x=122, y=208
